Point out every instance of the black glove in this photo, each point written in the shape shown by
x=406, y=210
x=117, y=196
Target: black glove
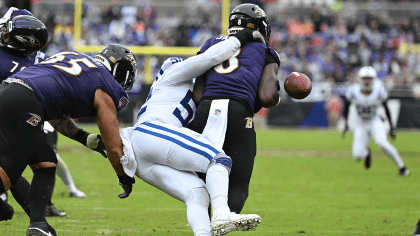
x=346, y=128
x=393, y=133
x=126, y=183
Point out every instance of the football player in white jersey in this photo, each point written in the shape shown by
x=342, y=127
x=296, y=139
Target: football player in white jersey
x=367, y=97
x=160, y=150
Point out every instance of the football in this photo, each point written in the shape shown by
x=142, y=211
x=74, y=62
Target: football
x=297, y=85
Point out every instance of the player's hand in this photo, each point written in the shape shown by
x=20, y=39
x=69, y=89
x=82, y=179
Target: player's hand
x=94, y=142
x=257, y=36
x=126, y=183
x=346, y=128
x=393, y=133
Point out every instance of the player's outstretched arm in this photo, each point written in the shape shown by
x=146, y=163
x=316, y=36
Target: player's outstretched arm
x=108, y=125
x=268, y=90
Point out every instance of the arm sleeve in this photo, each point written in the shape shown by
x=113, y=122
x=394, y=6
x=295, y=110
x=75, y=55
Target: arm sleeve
x=388, y=114
x=346, y=109
x=199, y=64
x=272, y=57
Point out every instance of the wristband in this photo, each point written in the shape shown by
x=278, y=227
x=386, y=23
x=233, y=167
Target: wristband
x=81, y=136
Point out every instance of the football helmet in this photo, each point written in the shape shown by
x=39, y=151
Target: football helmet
x=367, y=75
x=120, y=62
x=249, y=16
x=23, y=34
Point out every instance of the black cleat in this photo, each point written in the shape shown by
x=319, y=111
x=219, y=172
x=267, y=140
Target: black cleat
x=404, y=172
x=6, y=211
x=417, y=230
x=52, y=211
x=40, y=229
x=368, y=159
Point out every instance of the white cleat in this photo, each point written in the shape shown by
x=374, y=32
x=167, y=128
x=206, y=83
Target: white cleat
x=222, y=224
x=77, y=193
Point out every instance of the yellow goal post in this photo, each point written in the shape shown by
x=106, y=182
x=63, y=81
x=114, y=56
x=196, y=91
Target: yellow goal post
x=142, y=50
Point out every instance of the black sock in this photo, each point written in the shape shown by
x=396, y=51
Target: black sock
x=20, y=191
x=41, y=189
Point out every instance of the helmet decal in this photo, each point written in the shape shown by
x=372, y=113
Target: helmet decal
x=29, y=41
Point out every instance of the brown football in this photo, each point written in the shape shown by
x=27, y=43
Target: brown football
x=297, y=85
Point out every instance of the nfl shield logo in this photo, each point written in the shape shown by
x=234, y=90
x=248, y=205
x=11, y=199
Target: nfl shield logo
x=217, y=112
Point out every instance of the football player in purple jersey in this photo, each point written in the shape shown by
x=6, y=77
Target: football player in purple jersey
x=229, y=95
x=66, y=85
x=19, y=49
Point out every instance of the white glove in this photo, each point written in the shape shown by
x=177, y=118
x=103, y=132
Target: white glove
x=94, y=142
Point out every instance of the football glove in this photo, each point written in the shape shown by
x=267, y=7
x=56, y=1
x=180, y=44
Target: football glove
x=346, y=128
x=126, y=183
x=393, y=133
x=94, y=142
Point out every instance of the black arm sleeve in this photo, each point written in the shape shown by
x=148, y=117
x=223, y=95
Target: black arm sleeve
x=346, y=109
x=270, y=58
x=388, y=114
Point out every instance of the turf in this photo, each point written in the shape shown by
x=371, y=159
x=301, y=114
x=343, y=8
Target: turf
x=304, y=183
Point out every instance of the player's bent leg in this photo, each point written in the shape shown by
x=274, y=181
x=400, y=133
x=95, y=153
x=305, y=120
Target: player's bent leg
x=217, y=181
x=179, y=148
x=184, y=186
x=20, y=191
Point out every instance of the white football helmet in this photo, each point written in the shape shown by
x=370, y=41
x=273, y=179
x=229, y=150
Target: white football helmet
x=367, y=75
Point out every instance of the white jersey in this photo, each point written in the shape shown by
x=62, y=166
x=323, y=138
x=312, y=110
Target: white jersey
x=170, y=97
x=367, y=104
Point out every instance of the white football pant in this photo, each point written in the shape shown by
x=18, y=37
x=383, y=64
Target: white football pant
x=375, y=128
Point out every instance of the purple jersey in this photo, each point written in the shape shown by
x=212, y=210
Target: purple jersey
x=66, y=84
x=239, y=76
x=10, y=63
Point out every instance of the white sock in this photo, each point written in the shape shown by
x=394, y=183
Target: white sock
x=64, y=173
x=392, y=152
x=217, y=182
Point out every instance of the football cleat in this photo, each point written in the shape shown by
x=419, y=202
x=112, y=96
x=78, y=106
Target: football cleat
x=404, y=172
x=368, y=159
x=77, y=193
x=223, y=223
x=417, y=230
x=52, y=211
x=40, y=229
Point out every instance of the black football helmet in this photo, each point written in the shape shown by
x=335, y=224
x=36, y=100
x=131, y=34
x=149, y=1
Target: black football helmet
x=121, y=62
x=23, y=34
x=250, y=16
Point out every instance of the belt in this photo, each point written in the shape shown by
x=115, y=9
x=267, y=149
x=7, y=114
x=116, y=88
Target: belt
x=18, y=81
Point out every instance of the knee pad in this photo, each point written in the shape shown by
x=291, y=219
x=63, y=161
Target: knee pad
x=198, y=196
x=222, y=159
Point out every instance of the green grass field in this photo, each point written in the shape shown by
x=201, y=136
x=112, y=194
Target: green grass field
x=305, y=182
